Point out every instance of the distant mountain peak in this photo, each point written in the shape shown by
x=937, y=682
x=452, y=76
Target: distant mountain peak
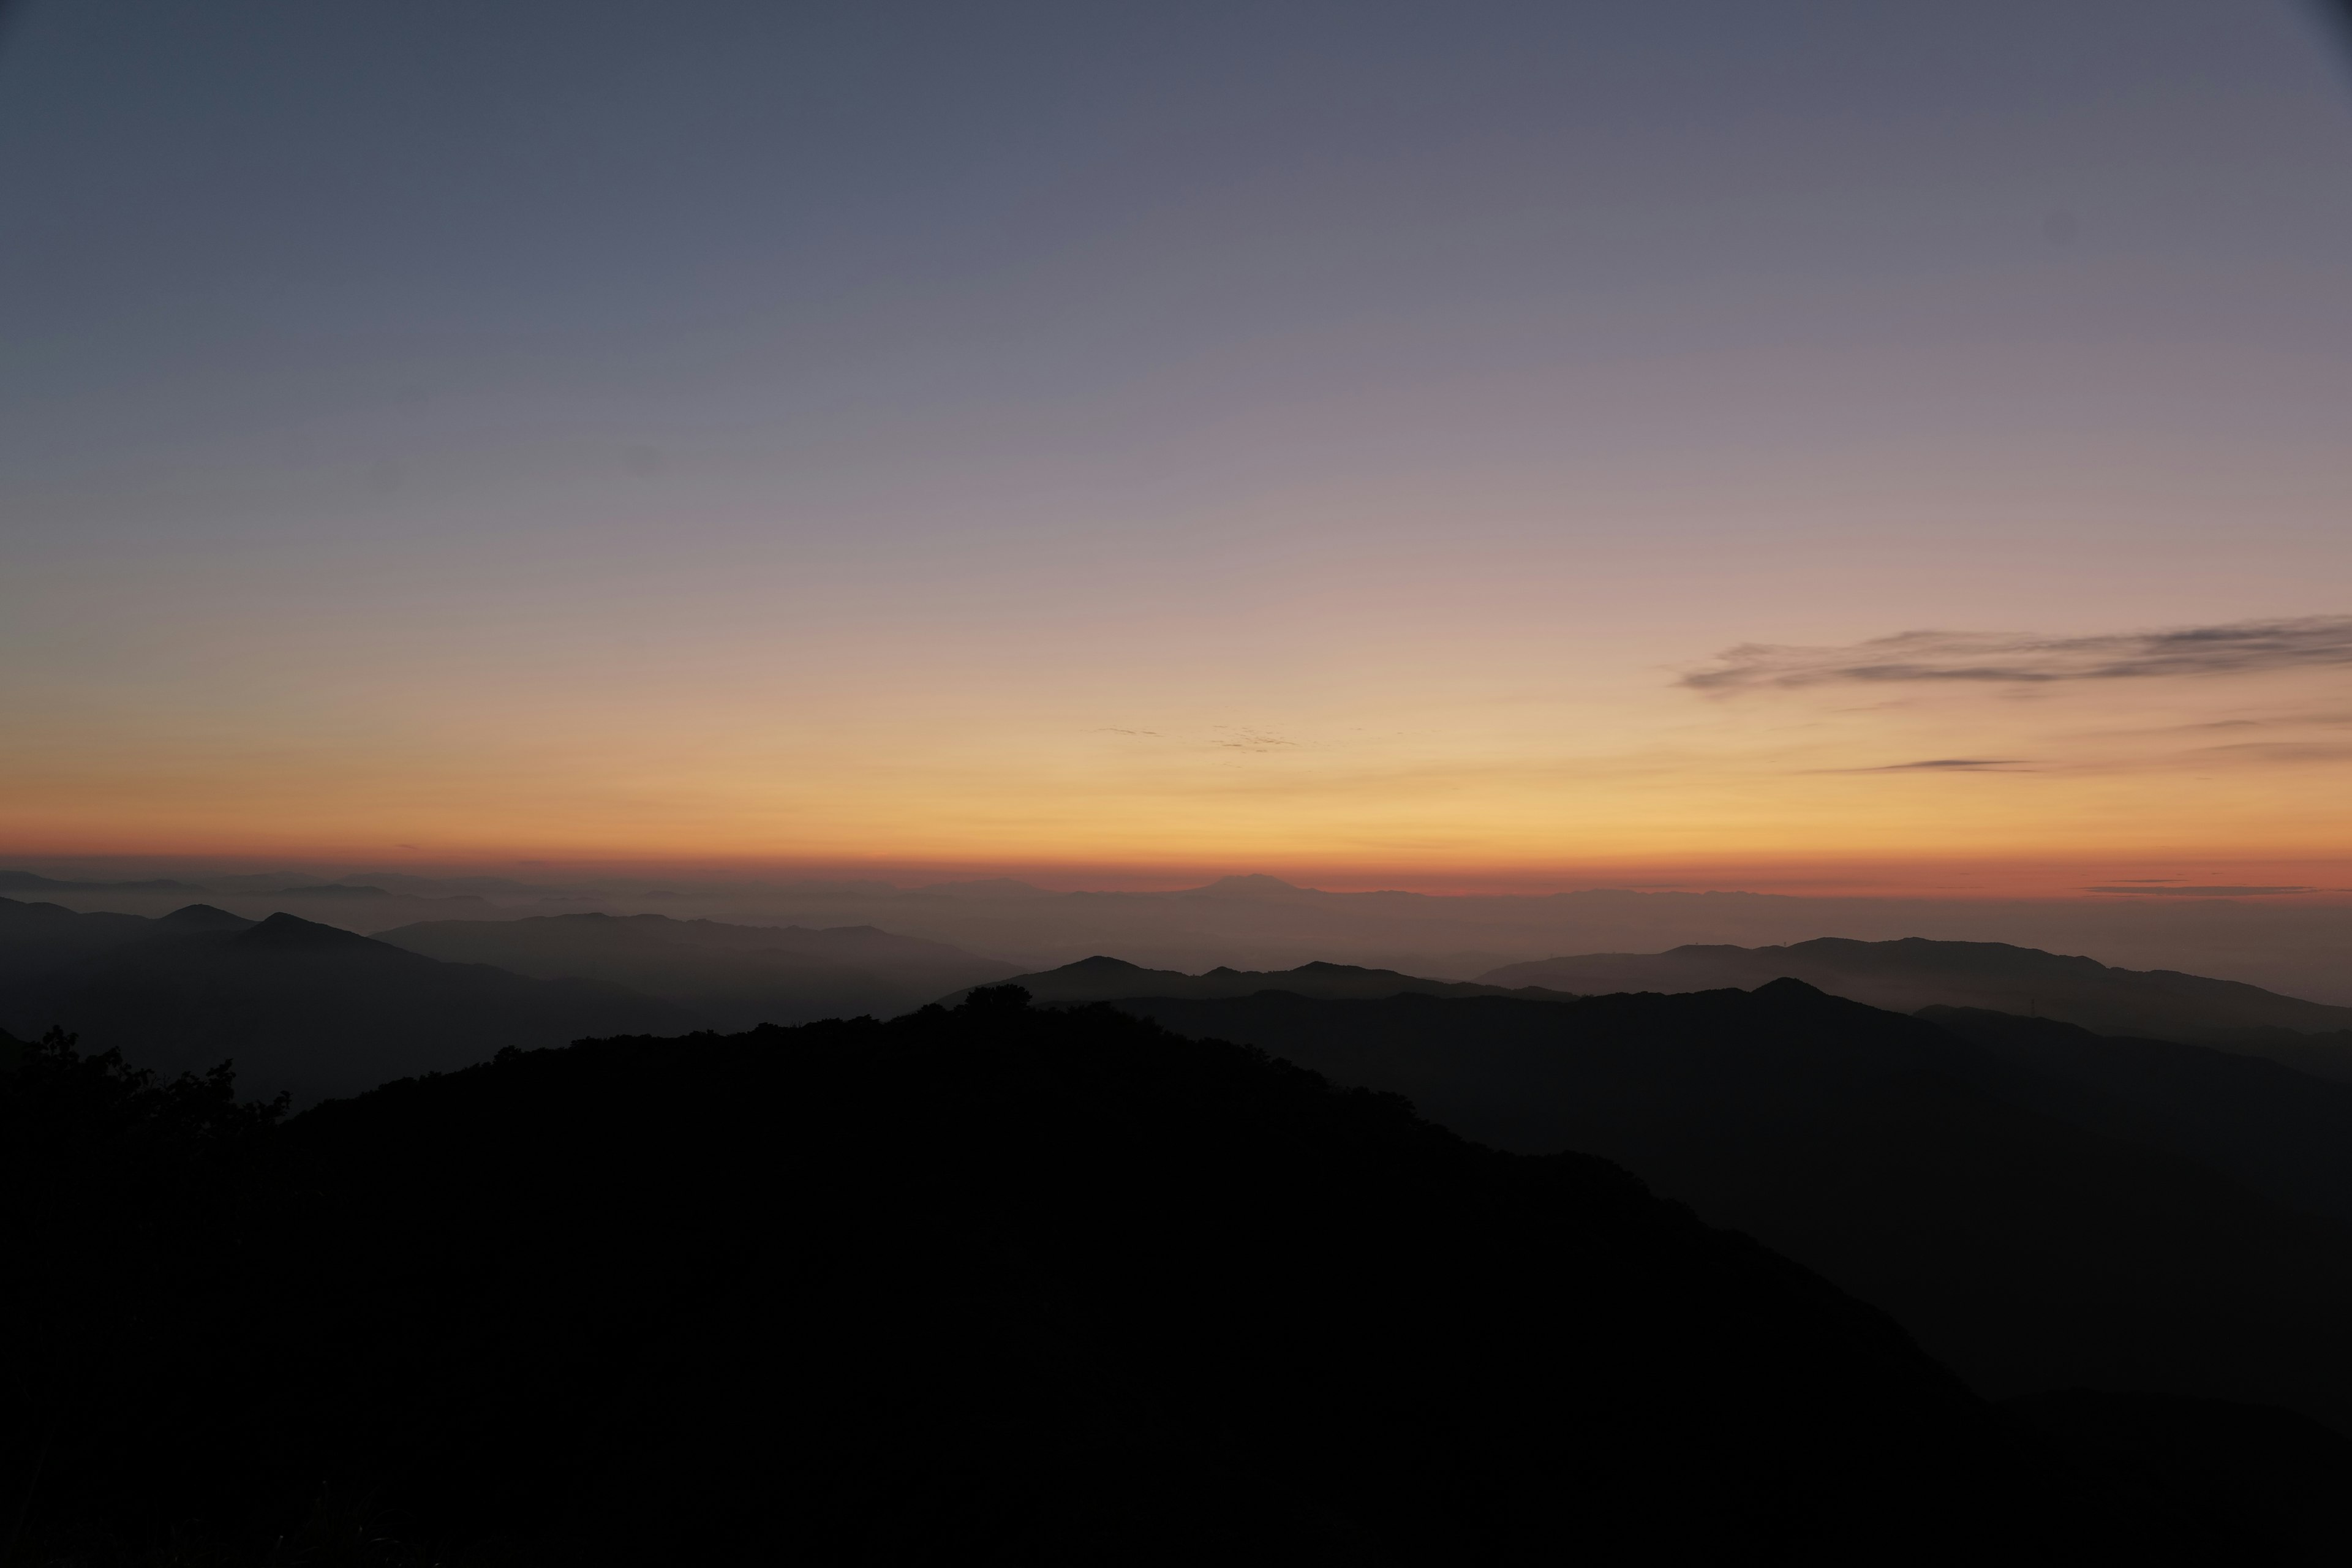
x=1789, y=988
x=203, y=917
x=283, y=930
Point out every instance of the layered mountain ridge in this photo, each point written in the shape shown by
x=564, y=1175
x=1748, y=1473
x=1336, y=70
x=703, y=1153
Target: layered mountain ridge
x=1104, y=979
x=315, y=1010
x=1905, y=975
x=302, y=1008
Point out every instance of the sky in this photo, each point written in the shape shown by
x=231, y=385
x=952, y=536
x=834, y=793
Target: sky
x=1419, y=444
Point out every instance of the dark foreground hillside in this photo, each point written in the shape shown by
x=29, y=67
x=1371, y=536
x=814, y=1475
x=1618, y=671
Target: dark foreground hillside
x=990, y=1285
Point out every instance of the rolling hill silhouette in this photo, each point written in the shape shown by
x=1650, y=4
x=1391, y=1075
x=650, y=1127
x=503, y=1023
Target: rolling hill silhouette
x=302, y=1008
x=36, y=938
x=731, y=976
x=2286, y=1134
x=2038, y=1225
x=31, y=882
x=1102, y=979
x=1907, y=976
x=997, y=1285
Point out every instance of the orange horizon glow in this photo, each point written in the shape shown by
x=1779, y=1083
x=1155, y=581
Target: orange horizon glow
x=2301, y=881
x=1586, y=468
x=1617, y=778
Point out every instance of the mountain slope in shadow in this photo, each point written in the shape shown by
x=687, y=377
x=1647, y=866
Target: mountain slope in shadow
x=1933, y=1178
x=991, y=1286
x=37, y=938
x=1907, y=976
x=306, y=1009
x=2286, y=1135
x=733, y=976
x=1102, y=979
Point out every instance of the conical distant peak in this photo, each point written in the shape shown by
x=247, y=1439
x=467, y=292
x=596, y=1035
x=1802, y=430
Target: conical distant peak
x=1790, y=988
x=282, y=929
x=203, y=917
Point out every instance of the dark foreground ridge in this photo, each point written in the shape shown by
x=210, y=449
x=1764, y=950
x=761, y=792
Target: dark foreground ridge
x=994, y=1285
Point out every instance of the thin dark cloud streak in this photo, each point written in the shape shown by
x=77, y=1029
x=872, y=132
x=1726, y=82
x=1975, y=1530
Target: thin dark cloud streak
x=2278, y=751
x=1943, y=764
x=2243, y=648
x=1240, y=740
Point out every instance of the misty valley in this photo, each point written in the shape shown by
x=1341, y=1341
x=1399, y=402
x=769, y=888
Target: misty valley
x=597, y=1237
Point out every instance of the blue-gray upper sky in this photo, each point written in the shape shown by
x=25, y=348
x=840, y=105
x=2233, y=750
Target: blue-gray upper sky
x=426, y=376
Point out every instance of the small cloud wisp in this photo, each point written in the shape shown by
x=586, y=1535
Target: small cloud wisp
x=2240, y=648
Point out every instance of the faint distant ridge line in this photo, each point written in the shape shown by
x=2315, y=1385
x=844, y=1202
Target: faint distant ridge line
x=32, y=882
x=1915, y=973
x=1103, y=978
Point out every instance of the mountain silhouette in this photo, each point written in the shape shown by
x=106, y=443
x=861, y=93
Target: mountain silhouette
x=1102, y=979
x=731, y=977
x=36, y=938
x=347, y=901
x=27, y=881
x=2293, y=946
x=199, y=917
x=2035, y=1229
x=302, y=1008
x=998, y=1285
x=2286, y=1134
x=1252, y=884
x=1907, y=976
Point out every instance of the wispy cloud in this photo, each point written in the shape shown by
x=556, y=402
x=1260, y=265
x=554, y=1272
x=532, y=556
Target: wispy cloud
x=1240, y=740
x=2278, y=751
x=1943, y=764
x=1989, y=657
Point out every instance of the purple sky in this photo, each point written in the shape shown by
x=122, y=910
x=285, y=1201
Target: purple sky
x=1271, y=434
